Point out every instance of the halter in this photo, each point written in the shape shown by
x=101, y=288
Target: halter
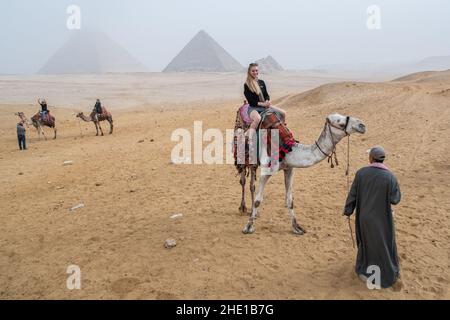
x=333, y=152
x=347, y=121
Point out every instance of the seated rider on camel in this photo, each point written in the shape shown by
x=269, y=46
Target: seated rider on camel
x=44, y=109
x=97, y=108
x=258, y=98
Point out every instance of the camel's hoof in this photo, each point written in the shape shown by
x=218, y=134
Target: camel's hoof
x=257, y=203
x=249, y=229
x=298, y=230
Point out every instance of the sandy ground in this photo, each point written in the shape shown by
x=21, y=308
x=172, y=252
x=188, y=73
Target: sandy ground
x=130, y=189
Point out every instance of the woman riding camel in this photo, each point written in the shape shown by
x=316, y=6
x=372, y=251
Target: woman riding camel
x=44, y=108
x=258, y=98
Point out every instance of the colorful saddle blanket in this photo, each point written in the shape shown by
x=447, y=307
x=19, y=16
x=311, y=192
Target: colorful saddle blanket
x=46, y=118
x=270, y=120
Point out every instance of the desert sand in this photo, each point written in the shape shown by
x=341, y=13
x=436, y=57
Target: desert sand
x=130, y=190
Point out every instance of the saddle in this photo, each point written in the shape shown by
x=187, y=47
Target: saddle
x=270, y=120
x=102, y=115
x=47, y=118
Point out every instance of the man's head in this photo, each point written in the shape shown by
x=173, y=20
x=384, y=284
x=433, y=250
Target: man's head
x=377, y=154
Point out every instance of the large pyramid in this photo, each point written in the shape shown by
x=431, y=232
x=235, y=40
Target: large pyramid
x=269, y=65
x=203, y=54
x=91, y=52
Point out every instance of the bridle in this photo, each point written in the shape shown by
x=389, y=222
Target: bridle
x=333, y=152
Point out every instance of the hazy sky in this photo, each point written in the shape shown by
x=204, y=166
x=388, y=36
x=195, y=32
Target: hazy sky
x=299, y=34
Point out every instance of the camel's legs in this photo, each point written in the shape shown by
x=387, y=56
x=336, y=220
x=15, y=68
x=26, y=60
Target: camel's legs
x=252, y=182
x=38, y=131
x=243, y=208
x=101, y=130
x=288, y=181
x=111, y=126
x=42, y=130
x=54, y=129
x=96, y=127
x=259, y=197
x=260, y=194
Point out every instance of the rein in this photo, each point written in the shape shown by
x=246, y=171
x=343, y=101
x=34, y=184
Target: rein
x=347, y=171
x=330, y=160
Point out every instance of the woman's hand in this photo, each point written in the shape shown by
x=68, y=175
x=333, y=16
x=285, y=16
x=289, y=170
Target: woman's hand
x=265, y=104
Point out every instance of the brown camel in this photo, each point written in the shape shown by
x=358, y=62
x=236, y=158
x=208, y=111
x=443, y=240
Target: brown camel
x=39, y=123
x=97, y=118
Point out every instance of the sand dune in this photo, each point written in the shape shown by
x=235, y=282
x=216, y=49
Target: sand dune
x=130, y=189
x=426, y=76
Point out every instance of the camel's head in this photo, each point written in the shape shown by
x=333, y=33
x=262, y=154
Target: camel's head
x=19, y=114
x=79, y=114
x=345, y=124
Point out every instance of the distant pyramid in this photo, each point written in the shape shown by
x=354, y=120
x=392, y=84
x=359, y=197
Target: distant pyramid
x=269, y=65
x=91, y=52
x=203, y=54
x=434, y=63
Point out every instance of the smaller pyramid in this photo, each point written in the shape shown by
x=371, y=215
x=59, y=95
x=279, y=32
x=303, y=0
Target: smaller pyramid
x=437, y=63
x=269, y=65
x=91, y=52
x=203, y=54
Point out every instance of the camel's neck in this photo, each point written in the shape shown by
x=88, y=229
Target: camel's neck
x=303, y=156
x=84, y=118
x=24, y=119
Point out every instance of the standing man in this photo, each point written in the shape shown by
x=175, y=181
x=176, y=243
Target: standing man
x=373, y=191
x=21, y=136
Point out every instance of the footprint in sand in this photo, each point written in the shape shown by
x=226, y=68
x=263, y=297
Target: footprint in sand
x=124, y=286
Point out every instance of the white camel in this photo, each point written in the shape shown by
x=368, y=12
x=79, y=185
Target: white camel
x=304, y=156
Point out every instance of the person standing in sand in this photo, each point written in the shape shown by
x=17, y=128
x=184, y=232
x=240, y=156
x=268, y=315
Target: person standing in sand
x=373, y=191
x=258, y=98
x=21, y=136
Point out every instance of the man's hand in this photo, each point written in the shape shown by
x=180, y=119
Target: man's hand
x=346, y=215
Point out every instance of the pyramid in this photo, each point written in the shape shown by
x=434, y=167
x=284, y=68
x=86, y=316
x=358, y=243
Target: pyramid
x=434, y=63
x=91, y=52
x=269, y=65
x=203, y=54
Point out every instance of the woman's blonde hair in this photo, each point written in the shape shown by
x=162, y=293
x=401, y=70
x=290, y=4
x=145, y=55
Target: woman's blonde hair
x=251, y=83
